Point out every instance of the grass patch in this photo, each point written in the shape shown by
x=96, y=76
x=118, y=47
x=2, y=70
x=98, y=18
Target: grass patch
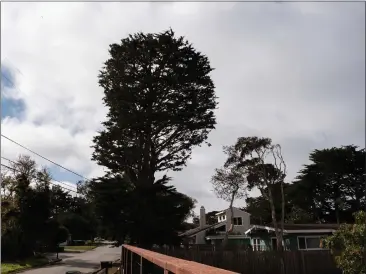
x=9, y=267
x=79, y=247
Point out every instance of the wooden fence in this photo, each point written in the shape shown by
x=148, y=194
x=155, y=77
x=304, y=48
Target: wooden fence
x=265, y=262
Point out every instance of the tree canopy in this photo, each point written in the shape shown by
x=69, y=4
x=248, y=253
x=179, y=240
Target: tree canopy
x=36, y=214
x=161, y=102
x=332, y=186
x=128, y=212
x=263, y=166
x=327, y=190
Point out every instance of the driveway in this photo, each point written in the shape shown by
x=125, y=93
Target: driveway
x=84, y=262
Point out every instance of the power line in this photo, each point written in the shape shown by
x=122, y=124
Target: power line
x=11, y=168
x=12, y=84
x=11, y=140
x=18, y=163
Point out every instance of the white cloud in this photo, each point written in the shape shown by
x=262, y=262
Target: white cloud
x=290, y=71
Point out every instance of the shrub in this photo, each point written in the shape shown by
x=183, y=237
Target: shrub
x=347, y=245
x=89, y=242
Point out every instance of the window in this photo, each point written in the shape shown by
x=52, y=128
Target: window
x=257, y=246
x=238, y=221
x=309, y=242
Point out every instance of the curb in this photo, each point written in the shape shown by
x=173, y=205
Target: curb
x=54, y=261
x=77, y=251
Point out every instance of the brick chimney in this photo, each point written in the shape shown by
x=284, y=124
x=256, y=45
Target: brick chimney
x=202, y=216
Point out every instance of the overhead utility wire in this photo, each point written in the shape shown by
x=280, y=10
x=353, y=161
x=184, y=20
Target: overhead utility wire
x=11, y=168
x=17, y=163
x=14, y=86
x=11, y=140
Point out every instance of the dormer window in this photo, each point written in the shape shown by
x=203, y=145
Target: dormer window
x=238, y=221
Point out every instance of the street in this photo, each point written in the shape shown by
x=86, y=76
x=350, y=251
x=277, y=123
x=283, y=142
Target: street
x=84, y=262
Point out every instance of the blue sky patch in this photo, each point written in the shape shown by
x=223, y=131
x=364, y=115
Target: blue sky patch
x=10, y=107
x=63, y=175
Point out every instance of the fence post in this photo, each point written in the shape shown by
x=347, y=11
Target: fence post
x=303, y=262
x=122, y=263
x=106, y=265
x=140, y=264
x=131, y=263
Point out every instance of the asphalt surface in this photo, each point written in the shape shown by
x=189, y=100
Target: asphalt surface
x=86, y=262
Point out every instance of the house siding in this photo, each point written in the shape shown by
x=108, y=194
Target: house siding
x=291, y=243
x=245, y=241
x=245, y=218
x=290, y=240
x=293, y=238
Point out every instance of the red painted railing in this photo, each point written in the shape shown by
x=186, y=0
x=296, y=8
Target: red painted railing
x=133, y=259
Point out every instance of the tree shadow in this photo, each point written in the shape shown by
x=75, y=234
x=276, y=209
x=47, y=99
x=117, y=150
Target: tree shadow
x=77, y=263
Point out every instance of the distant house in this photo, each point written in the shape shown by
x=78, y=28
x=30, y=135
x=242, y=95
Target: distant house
x=295, y=236
x=215, y=233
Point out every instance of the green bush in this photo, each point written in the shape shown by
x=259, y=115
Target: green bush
x=89, y=242
x=348, y=245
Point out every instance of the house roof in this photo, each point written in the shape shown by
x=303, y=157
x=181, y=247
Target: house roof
x=223, y=211
x=194, y=231
x=298, y=228
x=311, y=226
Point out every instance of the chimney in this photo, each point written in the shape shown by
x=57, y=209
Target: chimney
x=202, y=216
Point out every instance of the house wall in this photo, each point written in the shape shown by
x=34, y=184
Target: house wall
x=245, y=241
x=200, y=238
x=238, y=213
x=293, y=244
x=290, y=240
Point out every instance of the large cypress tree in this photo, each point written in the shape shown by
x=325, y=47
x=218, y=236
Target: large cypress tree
x=161, y=103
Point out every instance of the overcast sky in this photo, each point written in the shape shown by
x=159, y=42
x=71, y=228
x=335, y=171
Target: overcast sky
x=294, y=72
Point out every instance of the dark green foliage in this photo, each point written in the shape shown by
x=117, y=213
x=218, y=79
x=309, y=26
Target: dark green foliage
x=26, y=218
x=36, y=217
x=348, y=245
x=161, y=101
x=109, y=196
x=54, y=234
x=79, y=227
x=329, y=189
x=260, y=211
x=145, y=215
x=332, y=187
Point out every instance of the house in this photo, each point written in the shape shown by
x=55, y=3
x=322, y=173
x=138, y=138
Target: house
x=295, y=236
x=214, y=234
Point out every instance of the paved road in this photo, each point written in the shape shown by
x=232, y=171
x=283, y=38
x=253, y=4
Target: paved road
x=84, y=262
